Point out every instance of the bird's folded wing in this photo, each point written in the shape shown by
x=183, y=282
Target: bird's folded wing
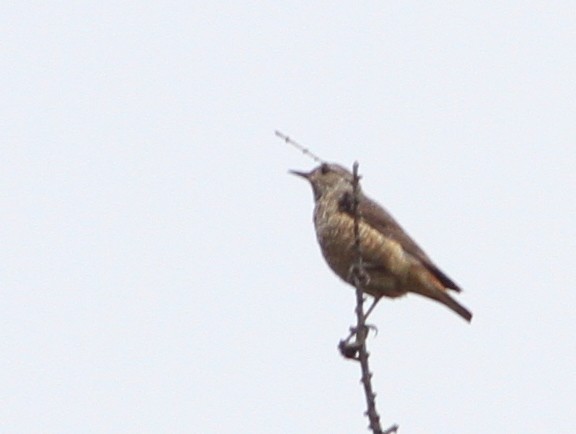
x=378, y=218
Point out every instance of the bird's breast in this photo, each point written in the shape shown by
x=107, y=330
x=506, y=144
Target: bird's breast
x=385, y=260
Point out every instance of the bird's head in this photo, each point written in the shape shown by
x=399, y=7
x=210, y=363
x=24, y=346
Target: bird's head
x=326, y=178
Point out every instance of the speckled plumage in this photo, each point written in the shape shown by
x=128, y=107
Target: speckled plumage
x=395, y=264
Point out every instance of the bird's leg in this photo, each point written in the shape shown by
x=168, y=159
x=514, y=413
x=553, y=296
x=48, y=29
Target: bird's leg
x=371, y=308
x=350, y=349
x=354, y=331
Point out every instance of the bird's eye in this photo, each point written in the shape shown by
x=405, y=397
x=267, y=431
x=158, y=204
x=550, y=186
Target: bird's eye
x=324, y=169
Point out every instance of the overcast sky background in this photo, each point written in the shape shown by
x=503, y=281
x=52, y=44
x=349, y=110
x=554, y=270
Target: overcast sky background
x=159, y=272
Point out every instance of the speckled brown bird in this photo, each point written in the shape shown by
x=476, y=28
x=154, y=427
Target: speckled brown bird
x=394, y=263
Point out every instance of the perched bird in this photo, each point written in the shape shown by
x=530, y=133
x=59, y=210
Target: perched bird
x=393, y=262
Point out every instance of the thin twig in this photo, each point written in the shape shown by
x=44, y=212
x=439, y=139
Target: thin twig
x=297, y=145
x=358, y=275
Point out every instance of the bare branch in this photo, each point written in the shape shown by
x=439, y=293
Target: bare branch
x=298, y=146
x=357, y=350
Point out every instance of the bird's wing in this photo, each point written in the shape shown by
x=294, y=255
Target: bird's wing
x=377, y=217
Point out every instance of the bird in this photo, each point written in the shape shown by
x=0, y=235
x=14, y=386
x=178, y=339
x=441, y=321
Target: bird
x=393, y=264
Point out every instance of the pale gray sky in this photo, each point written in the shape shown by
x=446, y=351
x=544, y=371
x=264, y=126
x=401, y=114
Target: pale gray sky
x=158, y=266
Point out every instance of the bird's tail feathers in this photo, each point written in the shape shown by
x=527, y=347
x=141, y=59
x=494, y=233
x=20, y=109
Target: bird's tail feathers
x=448, y=301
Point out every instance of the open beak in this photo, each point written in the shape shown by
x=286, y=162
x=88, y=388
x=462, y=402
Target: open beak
x=304, y=175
